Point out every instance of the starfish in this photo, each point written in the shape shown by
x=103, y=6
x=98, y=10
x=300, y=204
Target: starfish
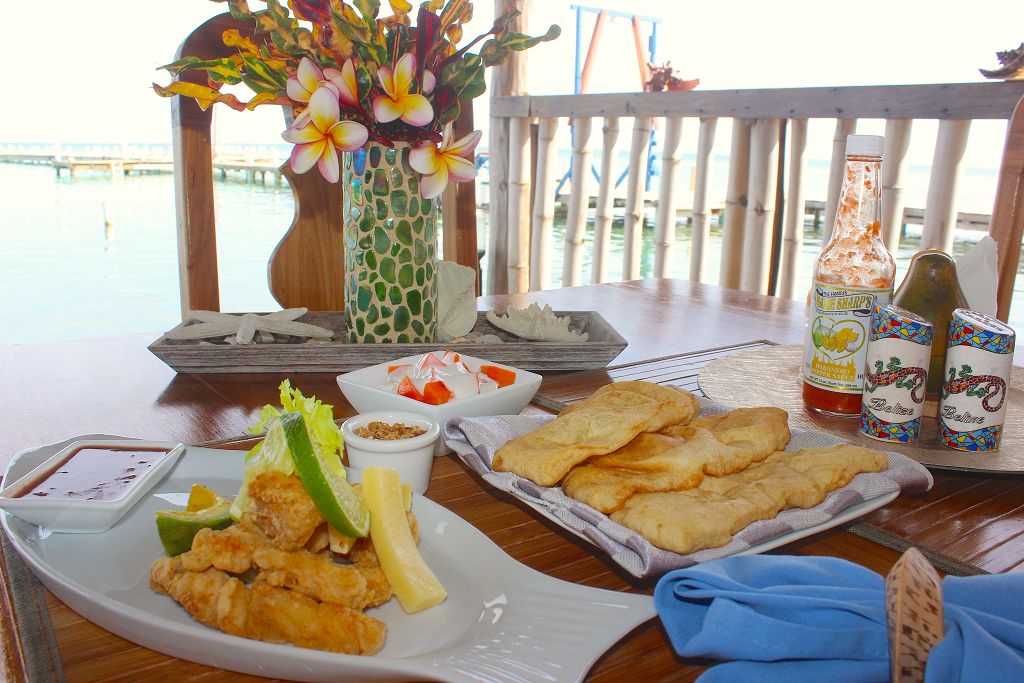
x=243, y=329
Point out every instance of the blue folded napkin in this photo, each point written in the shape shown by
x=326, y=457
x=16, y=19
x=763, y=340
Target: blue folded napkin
x=794, y=619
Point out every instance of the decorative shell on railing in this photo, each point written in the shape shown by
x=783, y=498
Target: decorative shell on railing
x=1012, y=68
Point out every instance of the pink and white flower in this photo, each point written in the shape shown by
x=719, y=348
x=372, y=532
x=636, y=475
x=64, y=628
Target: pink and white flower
x=447, y=160
x=397, y=102
x=320, y=133
x=308, y=77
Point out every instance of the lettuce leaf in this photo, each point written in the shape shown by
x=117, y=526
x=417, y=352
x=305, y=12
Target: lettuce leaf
x=272, y=453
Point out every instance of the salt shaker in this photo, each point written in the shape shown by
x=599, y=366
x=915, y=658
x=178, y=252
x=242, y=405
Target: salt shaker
x=895, y=374
x=979, y=357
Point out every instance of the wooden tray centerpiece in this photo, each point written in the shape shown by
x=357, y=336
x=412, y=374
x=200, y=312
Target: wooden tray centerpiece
x=338, y=355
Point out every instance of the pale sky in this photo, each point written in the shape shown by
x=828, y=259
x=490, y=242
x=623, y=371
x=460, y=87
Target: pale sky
x=86, y=76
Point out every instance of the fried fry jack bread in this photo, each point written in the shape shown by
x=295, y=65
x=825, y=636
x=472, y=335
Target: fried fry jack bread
x=602, y=423
x=720, y=445
x=709, y=515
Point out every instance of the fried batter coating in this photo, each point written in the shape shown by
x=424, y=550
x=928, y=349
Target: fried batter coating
x=313, y=575
x=320, y=539
x=229, y=549
x=263, y=612
x=282, y=510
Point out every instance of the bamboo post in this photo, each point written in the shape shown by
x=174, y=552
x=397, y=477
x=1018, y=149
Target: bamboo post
x=894, y=169
x=844, y=127
x=735, y=205
x=519, y=205
x=543, y=206
x=665, y=224
x=603, y=211
x=757, y=235
x=793, y=235
x=508, y=78
x=1007, y=224
x=579, y=198
x=939, y=208
x=633, y=223
x=701, y=228
x=497, y=240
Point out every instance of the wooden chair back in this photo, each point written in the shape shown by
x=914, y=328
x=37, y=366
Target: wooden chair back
x=1007, y=225
x=307, y=267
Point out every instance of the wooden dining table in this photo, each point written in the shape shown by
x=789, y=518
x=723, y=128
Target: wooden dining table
x=114, y=385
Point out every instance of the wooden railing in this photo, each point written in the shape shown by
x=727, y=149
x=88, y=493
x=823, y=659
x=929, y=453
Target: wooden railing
x=521, y=243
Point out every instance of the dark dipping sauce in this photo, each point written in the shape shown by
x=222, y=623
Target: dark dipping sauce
x=95, y=474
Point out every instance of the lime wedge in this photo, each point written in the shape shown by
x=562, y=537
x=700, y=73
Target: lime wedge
x=324, y=480
x=270, y=454
x=206, y=510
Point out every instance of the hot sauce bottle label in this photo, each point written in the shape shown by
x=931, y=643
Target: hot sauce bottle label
x=837, y=335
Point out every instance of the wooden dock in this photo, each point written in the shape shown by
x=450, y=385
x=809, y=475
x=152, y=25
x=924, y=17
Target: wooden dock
x=253, y=169
x=258, y=169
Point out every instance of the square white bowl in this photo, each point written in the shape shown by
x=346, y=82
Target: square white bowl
x=360, y=387
x=84, y=516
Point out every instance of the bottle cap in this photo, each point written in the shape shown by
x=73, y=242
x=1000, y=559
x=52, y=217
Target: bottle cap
x=865, y=145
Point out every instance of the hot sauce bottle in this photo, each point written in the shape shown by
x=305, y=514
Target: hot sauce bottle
x=853, y=272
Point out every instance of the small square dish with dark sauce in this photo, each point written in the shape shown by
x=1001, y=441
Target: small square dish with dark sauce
x=88, y=485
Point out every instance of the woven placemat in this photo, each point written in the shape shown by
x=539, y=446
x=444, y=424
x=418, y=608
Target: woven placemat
x=771, y=376
x=40, y=657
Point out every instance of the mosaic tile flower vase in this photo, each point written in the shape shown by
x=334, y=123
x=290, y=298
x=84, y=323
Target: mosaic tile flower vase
x=390, y=249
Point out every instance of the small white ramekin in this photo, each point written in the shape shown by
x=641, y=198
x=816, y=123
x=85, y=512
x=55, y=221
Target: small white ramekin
x=413, y=457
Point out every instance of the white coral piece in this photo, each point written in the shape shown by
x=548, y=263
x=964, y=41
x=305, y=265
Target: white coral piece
x=536, y=324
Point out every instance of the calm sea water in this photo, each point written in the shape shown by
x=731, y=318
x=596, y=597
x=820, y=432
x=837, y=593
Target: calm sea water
x=63, y=275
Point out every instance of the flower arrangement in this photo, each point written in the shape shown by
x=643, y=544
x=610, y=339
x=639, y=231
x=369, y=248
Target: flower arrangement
x=352, y=77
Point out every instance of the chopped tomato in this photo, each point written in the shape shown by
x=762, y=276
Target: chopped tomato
x=451, y=356
x=408, y=389
x=392, y=368
x=500, y=375
x=436, y=393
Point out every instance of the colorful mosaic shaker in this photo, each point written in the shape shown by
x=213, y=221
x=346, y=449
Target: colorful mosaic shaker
x=895, y=374
x=974, y=391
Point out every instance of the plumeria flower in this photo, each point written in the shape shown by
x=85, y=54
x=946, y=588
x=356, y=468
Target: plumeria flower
x=397, y=102
x=447, y=160
x=318, y=139
x=308, y=77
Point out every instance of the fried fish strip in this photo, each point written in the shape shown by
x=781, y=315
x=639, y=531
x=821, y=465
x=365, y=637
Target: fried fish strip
x=263, y=612
x=678, y=457
x=313, y=575
x=229, y=549
x=602, y=423
x=282, y=510
x=709, y=515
